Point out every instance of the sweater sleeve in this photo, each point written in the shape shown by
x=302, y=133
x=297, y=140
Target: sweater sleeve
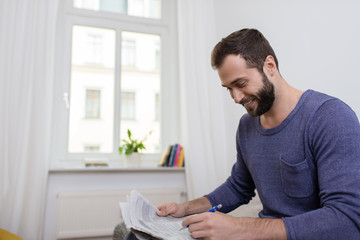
x=334, y=139
x=238, y=189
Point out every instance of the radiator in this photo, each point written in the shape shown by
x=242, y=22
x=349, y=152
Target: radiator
x=96, y=213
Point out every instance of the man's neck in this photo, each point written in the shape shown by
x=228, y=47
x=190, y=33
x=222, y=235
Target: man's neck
x=286, y=99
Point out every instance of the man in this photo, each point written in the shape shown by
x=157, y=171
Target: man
x=300, y=150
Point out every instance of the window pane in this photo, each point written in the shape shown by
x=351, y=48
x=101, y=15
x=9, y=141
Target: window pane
x=141, y=79
x=91, y=118
x=138, y=8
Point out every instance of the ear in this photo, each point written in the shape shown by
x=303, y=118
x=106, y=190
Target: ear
x=270, y=65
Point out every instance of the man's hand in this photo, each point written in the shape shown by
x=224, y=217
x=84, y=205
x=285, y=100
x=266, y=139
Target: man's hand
x=211, y=226
x=172, y=209
x=198, y=205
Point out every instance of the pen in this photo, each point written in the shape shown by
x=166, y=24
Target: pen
x=213, y=209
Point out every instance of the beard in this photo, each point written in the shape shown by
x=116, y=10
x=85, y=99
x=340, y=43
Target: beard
x=265, y=98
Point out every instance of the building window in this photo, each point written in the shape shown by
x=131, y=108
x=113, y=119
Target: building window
x=128, y=56
x=113, y=58
x=92, y=104
x=127, y=106
x=91, y=148
x=94, y=43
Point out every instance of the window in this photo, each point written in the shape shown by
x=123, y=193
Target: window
x=128, y=53
x=92, y=104
x=95, y=44
x=91, y=148
x=127, y=106
x=115, y=70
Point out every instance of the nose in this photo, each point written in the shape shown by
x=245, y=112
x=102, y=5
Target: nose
x=237, y=95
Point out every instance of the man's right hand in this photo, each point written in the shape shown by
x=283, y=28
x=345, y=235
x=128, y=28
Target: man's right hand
x=198, y=205
x=172, y=209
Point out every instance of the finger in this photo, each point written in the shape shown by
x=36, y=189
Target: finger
x=162, y=210
x=201, y=231
x=196, y=218
x=161, y=213
x=198, y=234
x=186, y=222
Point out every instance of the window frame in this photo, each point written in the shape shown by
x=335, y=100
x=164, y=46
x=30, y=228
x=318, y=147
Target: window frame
x=69, y=16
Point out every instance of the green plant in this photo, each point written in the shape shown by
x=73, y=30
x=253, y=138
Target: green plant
x=132, y=145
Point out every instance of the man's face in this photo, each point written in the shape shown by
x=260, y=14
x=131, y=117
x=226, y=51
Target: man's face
x=247, y=86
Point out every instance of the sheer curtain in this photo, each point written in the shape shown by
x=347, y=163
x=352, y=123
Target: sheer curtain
x=26, y=46
x=203, y=120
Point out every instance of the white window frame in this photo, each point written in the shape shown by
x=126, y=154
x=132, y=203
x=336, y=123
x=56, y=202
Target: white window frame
x=165, y=27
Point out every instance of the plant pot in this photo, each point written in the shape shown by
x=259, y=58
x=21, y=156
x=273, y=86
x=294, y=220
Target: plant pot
x=133, y=160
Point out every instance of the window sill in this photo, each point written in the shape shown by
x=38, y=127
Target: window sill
x=148, y=161
x=122, y=169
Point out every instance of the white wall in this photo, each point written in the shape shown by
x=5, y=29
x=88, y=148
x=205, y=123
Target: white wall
x=317, y=44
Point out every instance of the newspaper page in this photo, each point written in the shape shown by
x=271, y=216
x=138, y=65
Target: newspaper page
x=140, y=215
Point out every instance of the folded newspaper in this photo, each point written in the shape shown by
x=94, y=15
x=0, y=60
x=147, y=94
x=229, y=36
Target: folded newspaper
x=140, y=216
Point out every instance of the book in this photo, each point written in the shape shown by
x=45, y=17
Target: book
x=164, y=156
x=180, y=162
x=168, y=158
x=173, y=155
x=177, y=154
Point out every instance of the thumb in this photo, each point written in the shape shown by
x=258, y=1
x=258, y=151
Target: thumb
x=161, y=212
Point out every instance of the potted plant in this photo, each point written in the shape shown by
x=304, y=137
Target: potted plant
x=131, y=148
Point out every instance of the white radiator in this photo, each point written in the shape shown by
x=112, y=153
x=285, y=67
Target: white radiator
x=96, y=213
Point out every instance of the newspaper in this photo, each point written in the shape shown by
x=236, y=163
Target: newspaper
x=140, y=215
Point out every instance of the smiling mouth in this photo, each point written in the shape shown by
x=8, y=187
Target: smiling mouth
x=245, y=104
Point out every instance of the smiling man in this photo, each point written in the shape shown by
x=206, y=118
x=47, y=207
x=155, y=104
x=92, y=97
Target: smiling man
x=299, y=150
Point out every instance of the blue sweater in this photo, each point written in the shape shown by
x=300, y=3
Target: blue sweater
x=306, y=170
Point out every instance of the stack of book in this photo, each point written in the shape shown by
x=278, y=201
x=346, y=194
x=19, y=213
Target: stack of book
x=173, y=156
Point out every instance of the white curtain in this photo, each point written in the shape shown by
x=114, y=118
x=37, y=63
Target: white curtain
x=26, y=63
x=203, y=123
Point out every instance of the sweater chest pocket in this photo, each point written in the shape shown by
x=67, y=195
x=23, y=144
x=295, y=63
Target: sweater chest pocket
x=296, y=179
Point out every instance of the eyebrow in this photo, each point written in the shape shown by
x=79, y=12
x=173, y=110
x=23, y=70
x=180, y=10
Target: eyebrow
x=234, y=81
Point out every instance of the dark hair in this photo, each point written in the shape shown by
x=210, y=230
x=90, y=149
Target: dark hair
x=249, y=43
